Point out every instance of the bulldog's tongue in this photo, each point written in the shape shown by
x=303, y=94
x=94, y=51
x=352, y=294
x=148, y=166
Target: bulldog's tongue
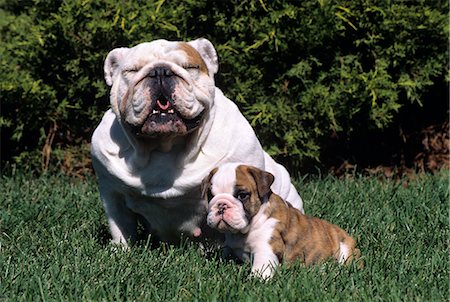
x=161, y=106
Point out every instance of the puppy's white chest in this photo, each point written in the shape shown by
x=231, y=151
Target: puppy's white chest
x=257, y=240
x=261, y=230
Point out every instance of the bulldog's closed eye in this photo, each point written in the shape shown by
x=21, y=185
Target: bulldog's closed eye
x=193, y=66
x=130, y=70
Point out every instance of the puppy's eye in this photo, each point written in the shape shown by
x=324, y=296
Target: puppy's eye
x=243, y=195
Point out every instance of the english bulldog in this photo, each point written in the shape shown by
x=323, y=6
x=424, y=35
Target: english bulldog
x=167, y=127
x=259, y=225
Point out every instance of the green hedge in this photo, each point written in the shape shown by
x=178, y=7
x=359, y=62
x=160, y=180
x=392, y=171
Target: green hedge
x=301, y=71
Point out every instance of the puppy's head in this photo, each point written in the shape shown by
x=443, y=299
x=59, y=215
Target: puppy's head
x=162, y=88
x=235, y=193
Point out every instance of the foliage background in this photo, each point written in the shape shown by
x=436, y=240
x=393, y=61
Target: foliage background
x=317, y=79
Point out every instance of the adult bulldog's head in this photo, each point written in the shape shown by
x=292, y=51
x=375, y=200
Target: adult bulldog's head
x=162, y=88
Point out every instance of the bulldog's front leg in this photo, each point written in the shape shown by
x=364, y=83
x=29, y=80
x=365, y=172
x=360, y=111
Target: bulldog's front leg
x=264, y=263
x=122, y=221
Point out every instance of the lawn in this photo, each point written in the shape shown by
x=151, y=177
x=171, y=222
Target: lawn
x=54, y=246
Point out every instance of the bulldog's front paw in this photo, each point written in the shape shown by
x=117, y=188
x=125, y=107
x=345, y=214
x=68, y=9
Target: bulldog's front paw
x=263, y=272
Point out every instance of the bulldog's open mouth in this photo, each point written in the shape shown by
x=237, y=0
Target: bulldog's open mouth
x=164, y=119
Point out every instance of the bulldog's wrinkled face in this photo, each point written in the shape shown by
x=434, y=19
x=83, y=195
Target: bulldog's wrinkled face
x=235, y=193
x=162, y=88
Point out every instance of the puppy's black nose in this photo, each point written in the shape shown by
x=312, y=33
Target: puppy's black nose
x=160, y=72
x=222, y=207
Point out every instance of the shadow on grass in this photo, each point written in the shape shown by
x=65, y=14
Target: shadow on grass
x=150, y=241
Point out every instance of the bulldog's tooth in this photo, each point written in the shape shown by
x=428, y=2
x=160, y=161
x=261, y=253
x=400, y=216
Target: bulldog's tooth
x=163, y=114
x=171, y=111
x=155, y=111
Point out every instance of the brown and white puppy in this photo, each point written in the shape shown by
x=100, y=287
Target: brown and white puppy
x=168, y=126
x=258, y=224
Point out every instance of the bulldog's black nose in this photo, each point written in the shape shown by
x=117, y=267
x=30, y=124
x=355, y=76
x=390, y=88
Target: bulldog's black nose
x=160, y=72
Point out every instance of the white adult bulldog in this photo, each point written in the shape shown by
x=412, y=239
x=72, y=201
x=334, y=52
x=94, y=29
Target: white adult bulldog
x=167, y=128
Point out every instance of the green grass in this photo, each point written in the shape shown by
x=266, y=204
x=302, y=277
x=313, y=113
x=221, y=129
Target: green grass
x=53, y=246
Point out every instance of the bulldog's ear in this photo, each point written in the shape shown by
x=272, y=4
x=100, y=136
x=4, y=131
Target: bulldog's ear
x=263, y=180
x=208, y=54
x=112, y=63
x=206, y=184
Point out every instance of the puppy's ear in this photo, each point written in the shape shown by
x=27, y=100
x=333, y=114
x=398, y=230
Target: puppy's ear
x=112, y=63
x=208, y=54
x=262, y=179
x=206, y=184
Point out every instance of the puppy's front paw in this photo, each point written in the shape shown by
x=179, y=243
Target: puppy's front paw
x=118, y=247
x=264, y=272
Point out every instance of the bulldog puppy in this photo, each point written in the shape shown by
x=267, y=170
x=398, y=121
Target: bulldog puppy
x=261, y=226
x=168, y=126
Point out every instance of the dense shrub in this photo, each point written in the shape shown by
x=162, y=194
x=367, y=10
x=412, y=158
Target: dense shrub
x=301, y=71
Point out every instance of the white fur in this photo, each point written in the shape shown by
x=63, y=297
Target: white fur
x=344, y=252
x=258, y=238
x=224, y=180
x=160, y=180
x=255, y=245
x=234, y=215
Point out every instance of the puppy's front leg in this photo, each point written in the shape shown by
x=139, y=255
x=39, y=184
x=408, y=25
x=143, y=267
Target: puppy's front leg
x=264, y=263
x=122, y=221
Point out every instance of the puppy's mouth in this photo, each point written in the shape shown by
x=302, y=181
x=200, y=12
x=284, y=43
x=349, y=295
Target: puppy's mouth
x=164, y=120
x=223, y=226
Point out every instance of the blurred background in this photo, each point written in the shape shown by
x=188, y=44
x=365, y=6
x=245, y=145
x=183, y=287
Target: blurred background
x=329, y=86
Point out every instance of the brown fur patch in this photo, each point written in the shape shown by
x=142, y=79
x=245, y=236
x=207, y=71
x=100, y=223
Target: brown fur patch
x=245, y=180
x=194, y=57
x=295, y=236
x=309, y=239
x=206, y=184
